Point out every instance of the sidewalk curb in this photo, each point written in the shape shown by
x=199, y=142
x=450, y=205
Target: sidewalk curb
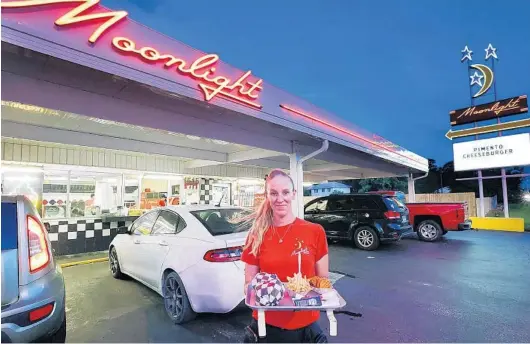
x=82, y=262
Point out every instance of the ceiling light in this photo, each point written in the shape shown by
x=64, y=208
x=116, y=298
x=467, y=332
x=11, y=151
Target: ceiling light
x=162, y=176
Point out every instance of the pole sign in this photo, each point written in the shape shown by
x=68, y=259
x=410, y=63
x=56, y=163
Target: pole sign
x=483, y=112
x=498, y=152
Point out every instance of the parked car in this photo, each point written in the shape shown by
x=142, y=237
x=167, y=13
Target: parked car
x=366, y=220
x=33, y=293
x=431, y=221
x=189, y=254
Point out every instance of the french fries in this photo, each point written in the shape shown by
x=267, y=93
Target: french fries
x=298, y=284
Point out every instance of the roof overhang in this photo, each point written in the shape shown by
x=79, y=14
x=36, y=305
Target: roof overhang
x=125, y=85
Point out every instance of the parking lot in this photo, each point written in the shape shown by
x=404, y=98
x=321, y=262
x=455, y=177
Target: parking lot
x=471, y=287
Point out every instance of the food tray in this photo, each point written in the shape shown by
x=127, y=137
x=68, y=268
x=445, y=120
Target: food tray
x=287, y=304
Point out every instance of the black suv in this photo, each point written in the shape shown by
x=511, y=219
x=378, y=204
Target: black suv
x=364, y=218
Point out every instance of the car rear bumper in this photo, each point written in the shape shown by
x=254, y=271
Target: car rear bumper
x=15, y=318
x=464, y=226
x=215, y=287
x=395, y=232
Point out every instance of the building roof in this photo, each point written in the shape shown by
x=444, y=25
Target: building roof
x=330, y=185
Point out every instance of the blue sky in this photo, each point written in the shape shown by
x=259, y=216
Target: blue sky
x=392, y=67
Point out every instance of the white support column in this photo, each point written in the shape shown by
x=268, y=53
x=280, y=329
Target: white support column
x=481, y=194
x=297, y=176
x=411, y=189
x=505, y=194
x=68, y=204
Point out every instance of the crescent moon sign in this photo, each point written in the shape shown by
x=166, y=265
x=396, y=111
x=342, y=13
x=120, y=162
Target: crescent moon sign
x=488, y=78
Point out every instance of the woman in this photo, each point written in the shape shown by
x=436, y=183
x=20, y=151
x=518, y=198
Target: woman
x=274, y=242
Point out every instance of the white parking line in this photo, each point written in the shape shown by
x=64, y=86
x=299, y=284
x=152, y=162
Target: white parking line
x=334, y=277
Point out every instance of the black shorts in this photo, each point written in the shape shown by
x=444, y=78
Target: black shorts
x=309, y=334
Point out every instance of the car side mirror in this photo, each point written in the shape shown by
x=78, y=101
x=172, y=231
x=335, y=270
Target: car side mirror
x=123, y=230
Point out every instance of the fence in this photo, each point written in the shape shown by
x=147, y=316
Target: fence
x=467, y=197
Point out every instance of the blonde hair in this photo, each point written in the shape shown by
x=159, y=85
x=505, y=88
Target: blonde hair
x=261, y=218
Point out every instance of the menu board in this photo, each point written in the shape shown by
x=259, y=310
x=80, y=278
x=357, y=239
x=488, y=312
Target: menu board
x=75, y=188
x=54, y=188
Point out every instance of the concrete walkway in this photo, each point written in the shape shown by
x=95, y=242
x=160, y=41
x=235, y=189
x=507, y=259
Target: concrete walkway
x=83, y=258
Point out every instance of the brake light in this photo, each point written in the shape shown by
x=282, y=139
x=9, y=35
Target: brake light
x=40, y=313
x=392, y=215
x=230, y=254
x=38, y=254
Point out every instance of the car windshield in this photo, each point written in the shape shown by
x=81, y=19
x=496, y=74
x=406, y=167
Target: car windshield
x=223, y=221
x=399, y=203
x=391, y=204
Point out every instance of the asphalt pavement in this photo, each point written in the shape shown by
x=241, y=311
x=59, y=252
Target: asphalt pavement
x=470, y=287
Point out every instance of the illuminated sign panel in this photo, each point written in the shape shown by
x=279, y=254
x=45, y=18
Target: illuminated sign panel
x=498, y=152
x=496, y=109
x=202, y=69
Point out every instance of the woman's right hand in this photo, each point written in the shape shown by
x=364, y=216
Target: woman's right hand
x=250, y=272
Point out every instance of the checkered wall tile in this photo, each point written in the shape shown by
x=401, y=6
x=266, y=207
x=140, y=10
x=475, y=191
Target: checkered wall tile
x=79, y=236
x=206, y=190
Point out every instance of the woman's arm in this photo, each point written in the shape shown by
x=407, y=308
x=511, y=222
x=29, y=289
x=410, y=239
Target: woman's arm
x=322, y=267
x=250, y=272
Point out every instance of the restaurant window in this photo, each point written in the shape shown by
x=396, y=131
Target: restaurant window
x=132, y=191
x=23, y=181
x=95, y=194
x=55, y=195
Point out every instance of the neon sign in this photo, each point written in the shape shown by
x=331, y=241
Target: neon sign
x=202, y=69
x=344, y=131
x=74, y=16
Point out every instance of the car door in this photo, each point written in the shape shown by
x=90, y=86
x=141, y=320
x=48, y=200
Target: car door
x=163, y=239
x=340, y=215
x=367, y=209
x=136, y=251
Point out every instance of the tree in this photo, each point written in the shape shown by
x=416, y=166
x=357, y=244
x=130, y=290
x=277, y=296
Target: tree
x=492, y=187
x=430, y=183
x=383, y=184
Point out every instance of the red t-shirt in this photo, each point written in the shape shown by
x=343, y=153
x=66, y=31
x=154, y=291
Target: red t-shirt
x=281, y=259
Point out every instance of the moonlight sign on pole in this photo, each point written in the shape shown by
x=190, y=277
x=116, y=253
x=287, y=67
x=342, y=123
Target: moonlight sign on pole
x=488, y=153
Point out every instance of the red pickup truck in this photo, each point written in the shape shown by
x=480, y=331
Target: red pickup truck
x=432, y=220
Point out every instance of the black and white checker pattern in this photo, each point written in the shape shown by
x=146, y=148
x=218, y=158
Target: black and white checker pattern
x=269, y=293
x=206, y=190
x=74, y=236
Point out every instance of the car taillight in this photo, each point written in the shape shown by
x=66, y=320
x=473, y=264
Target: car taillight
x=38, y=253
x=392, y=215
x=230, y=254
x=41, y=313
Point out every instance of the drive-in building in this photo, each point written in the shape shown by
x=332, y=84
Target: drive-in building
x=103, y=118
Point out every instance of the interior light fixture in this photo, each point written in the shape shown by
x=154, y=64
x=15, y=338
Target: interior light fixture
x=162, y=176
x=27, y=169
x=220, y=142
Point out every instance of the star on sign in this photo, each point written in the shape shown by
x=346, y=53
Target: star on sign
x=476, y=79
x=466, y=54
x=491, y=52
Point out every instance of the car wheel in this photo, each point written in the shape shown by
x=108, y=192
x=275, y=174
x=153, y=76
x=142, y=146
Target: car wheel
x=60, y=335
x=429, y=230
x=115, y=264
x=366, y=238
x=176, y=300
